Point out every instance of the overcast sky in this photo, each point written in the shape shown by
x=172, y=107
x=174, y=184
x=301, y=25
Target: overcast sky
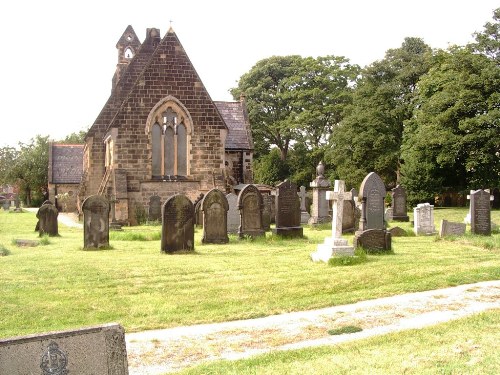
x=59, y=56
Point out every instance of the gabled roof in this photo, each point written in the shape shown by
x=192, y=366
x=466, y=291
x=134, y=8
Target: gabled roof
x=66, y=164
x=233, y=114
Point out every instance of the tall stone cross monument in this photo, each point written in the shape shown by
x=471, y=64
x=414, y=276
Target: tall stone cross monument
x=335, y=245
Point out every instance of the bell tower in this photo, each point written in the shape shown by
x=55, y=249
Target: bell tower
x=127, y=47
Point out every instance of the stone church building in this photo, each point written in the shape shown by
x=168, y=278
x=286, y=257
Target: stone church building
x=160, y=133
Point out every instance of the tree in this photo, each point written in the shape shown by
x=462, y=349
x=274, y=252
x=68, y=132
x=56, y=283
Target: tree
x=30, y=170
x=488, y=41
x=369, y=137
x=270, y=169
x=293, y=99
x=453, y=140
x=8, y=155
x=74, y=138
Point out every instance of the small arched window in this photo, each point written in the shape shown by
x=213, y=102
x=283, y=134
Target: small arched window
x=129, y=53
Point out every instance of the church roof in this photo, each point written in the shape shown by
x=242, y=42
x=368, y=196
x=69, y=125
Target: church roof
x=66, y=163
x=233, y=114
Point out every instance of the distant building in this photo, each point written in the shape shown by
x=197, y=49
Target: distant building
x=160, y=132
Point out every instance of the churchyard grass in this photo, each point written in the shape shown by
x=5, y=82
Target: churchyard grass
x=60, y=286
x=456, y=347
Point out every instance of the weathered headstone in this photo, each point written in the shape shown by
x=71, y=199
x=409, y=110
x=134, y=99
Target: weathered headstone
x=95, y=222
x=93, y=350
x=320, y=207
x=17, y=204
x=450, y=228
x=304, y=215
x=267, y=201
x=335, y=245
x=233, y=215
x=398, y=232
x=350, y=220
x=250, y=205
x=177, y=232
x=6, y=204
x=388, y=214
x=287, y=210
x=423, y=216
x=480, y=212
x=399, y=204
x=214, y=206
x=198, y=214
x=47, y=219
x=154, y=212
x=372, y=196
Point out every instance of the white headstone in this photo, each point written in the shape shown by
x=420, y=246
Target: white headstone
x=423, y=216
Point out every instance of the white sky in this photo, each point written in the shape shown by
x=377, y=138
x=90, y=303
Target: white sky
x=59, y=56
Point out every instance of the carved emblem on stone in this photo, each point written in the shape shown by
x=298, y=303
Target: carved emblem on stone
x=54, y=361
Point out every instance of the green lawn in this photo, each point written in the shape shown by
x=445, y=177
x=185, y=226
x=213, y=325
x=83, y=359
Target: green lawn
x=465, y=346
x=58, y=285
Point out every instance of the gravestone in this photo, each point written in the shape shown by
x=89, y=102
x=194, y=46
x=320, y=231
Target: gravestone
x=304, y=215
x=154, y=212
x=372, y=196
x=198, y=214
x=450, y=228
x=250, y=205
x=423, y=217
x=399, y=204
x=398, y=232
x=267, y=209
x=95, y=222
x=177, y=230
x=17, y=204
x=287, y=211
x=47, y=219
x=214, y=206
x=480, y=219
x=320, y=207
x=351, y=215
x=6, y=204
x=335, y=245
x=233, y=215
x=388, y=214
x=93, y=350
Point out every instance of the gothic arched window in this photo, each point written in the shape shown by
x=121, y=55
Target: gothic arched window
x=170, y=137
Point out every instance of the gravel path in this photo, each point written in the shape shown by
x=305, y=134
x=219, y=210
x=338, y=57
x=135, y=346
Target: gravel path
x=168, y=350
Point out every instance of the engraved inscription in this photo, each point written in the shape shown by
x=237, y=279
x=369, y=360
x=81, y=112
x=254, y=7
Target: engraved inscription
x=54, y=361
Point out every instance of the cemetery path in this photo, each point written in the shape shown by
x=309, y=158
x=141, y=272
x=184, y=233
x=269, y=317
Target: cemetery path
x=168, y=350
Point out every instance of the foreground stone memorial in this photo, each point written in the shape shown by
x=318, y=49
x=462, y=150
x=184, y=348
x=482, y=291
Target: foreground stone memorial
x=214, y=207
x=47, y=219
x=88, y=351
x=480, y=220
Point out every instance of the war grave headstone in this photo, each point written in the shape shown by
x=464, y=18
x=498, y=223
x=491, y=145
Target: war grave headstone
x=96, y=210
x=399, y=204
x=233, y=215
x=450, y=228
x=250, y=205
x=267, y=201
x=177, y=231
x=335, y=245
x=372, y=235
x=154, y=211
x=287, y=211
x=214, y=206
x=304, y=215
x=480, y=212
x=320, y=206
x=47, y=219
x=93, y=350
x=423, y=219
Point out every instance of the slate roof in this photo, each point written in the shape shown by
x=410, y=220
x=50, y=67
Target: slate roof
x=238, y=137
x=67, y=164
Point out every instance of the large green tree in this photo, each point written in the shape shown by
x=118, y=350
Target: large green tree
x=453, y=139
x=488, y=41
x=369, y=137
x=294, y=99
